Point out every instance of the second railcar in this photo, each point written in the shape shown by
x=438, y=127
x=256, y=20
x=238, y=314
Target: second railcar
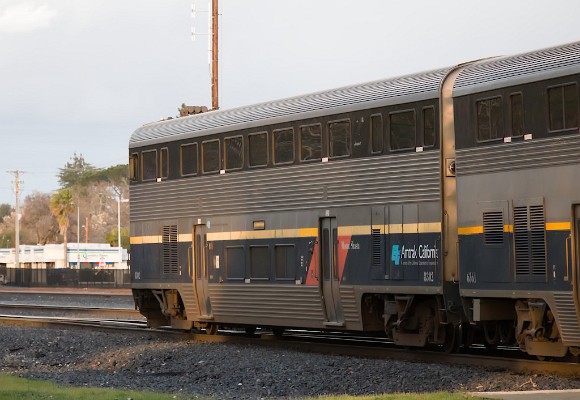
x=428, y=206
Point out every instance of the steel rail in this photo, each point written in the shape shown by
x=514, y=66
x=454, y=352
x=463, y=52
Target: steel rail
x=126, y=312
x=314, y=342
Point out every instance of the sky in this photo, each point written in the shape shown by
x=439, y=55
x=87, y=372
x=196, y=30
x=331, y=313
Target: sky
x=81, y=76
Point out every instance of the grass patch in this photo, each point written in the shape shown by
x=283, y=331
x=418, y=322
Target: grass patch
x=12, y=387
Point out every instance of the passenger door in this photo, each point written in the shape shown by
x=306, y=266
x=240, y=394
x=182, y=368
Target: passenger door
x=200, y=267
x=573, y=251
x=330, y=284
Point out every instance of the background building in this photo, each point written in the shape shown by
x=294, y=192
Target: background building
x=87, y=264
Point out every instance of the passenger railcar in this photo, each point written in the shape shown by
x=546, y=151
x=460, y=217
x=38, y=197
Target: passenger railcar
x=439, y=208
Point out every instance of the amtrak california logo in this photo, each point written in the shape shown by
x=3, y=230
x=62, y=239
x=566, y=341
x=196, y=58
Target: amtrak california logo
x=396, y=254
x=421, y=255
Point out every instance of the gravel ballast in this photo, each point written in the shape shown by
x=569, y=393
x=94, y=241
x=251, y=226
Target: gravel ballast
x=228, y=371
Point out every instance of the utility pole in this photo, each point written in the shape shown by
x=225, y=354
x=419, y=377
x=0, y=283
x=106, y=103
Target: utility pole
x=214, y=55
x=213, y=42
x=17, y=183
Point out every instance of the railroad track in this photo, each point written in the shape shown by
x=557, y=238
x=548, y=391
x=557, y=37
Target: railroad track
x=70, y=311
x=304, y=341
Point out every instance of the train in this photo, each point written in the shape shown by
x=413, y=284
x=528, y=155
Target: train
x=439, y=209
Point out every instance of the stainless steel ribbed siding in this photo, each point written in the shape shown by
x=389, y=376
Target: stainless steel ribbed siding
x=514, y=70
x=373, y=94
x=541, y=153
x=407, y=177
x=298, y=305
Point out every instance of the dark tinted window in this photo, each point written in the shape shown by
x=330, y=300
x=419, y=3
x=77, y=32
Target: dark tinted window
x=164, y=163
x=235, y=265
x=211, y=156
x=285, y=259
x=376, y=133
x=283, y=146
x=258, y=149
x=402, y=130
x=259, y=262
x=489, y=119
x=234, y=152
x=310, y=142
x=189, y=159
x=339, y=138
x=517, y=114
x=563, y=107
x=149, y=160
x=428, y=126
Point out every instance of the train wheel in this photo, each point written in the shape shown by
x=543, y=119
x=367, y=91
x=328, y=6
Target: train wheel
x=468, y=335
x=506, y=332
x=491, y=335
x=212, y=329
x=250, y=330
x=453, y=338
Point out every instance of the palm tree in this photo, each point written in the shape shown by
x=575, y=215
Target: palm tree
x=61, y=206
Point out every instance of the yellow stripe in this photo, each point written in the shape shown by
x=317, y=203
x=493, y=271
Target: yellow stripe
x=550, y=226
x=354, y=230
x=380, y=228
x=307, y=232
x=470, y=230
x=558, y=226
x=395, y=228
x=145, y=239
x=431, y=227
x=184, y=237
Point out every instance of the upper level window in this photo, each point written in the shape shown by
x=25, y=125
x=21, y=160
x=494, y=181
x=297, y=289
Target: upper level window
x=149, y=165
x=376, y=133
x=134, y=167
x=234, y=152
x=283, y=145
x=164, y=163
x=189, y=159
x=489, y=119
x=563, y=107
x=258, y=149
x=517, y=114
x=210, y=156
x=339, y=138
x=402, y=129
x=428, y=126
x=310, y=142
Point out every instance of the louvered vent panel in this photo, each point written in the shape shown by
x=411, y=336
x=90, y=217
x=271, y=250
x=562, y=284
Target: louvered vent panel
x=170, y=249
x=530, y=240
x=521, y=240
x=493, y=227
x=538, y=240
x=376, y=237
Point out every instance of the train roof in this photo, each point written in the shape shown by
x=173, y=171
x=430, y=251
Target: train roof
x=500, y=72
x=475, y=77
x=403, y=89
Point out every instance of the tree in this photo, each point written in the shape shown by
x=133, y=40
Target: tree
x=112, y=238
x=5, y=209
x=37, y=218
x=74, y=172
x=61, y=206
